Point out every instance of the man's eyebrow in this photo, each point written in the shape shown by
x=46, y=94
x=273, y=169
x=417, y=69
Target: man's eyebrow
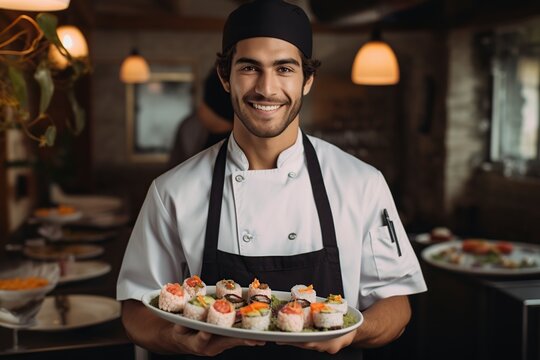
x=246, y=60
x=289, y=61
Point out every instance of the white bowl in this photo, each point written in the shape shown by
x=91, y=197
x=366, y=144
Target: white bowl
x=21, y=306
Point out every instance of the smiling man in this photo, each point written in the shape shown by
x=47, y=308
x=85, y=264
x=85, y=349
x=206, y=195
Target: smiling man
x=273, y=203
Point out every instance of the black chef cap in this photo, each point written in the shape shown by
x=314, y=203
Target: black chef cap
x=216, y=97
x=269, y=18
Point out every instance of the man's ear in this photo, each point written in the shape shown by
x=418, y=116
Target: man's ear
x=225, y=83
x=307, y=85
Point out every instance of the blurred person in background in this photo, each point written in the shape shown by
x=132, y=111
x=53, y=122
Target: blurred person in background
x=210, y=123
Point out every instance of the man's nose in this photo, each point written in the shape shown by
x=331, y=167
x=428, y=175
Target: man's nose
x=266, y=84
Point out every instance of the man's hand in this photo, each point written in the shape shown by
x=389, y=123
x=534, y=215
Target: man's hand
x=161, y=336
x=383, y=322
x=205, y=344
x=330, y=346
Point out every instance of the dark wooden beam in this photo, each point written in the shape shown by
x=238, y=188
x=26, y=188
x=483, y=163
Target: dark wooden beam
x=161, y=22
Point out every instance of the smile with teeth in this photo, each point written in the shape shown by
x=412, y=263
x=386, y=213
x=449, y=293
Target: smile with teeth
x=266, y=107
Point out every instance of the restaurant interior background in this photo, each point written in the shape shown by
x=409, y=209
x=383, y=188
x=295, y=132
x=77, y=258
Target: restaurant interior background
x=457, y=138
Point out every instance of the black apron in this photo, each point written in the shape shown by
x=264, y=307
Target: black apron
x=320, y=268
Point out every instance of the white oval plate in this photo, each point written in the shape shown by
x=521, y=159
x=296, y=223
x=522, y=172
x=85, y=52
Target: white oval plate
x=83, y=270
x=520, y=251
x=277, y=336
x=53, y=252
x=84, y=310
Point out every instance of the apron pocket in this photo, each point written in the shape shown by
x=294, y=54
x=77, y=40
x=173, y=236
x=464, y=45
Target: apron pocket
x=385, y=254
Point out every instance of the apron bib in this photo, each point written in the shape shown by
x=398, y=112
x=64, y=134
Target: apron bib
x=320, y=268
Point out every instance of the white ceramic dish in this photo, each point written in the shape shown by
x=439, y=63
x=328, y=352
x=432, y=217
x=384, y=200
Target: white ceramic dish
x=75, y=236
x=56, y=218
x=49, y=252
x=84, y=310
x=83, y=270
x=425, y=239
x=276, y=336
x=19, y=306
x=469, y=262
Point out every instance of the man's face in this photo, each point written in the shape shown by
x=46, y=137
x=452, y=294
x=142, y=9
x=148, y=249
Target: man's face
x=266, y=85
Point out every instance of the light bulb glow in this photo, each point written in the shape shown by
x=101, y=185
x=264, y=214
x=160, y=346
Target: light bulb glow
x=74, y=42
x=134, y=70
x=375, y=64
x=34, y=5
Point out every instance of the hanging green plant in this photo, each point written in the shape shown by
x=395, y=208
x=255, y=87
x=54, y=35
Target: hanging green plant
x=20, y=64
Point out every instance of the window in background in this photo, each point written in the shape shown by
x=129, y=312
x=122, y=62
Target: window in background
x=154, y=111
x=516, y=96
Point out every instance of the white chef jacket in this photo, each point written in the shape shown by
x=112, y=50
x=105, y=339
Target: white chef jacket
x=271, y=212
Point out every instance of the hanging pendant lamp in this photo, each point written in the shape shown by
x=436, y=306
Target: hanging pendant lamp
x=74, y=42
x=375, y=63
x=34, y=5
x=134, y=69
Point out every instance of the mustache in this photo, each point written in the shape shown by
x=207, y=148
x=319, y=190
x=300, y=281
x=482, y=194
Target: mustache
x=262, y=98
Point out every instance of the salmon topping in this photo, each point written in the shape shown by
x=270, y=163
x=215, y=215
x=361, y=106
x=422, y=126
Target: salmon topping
x=194, y=281
x=175, y=289
x=223, y=306
x=292, y=308
x=306, y=289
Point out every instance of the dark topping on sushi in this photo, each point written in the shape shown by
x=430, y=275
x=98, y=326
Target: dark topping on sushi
x=303, y=302
x=236, y=300
x=261, y=298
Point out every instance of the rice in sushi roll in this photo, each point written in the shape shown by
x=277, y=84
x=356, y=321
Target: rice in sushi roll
x=221, y=313
x=291, y=317
x=172, y=298
x=325, y=317
x=306, y=308
x=256, y=316
x=224, y=287
x=337, y=302
x=194, y=286
x=258, y=288
x=304, y=292
x=197, y=308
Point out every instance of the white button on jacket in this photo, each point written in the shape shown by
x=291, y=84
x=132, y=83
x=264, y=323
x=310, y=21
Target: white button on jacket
x=170, y=230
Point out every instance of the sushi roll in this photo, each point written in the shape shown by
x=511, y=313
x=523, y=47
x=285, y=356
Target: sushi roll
x=337, y=302
x=221, y=313
x=308, y=321
x=224, y=287
x=325, y=317
x=172, y=298
x=197, y=308
x=304, y=292
x=194, y=286
x=291, y=317
x=256, y=316
x=261, y=298
x=258, y=288
x=236, y=300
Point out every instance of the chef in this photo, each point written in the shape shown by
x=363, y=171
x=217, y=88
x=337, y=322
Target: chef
x=273, y=203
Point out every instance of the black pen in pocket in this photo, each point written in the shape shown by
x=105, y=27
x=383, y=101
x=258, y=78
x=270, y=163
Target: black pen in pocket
x=391, y=230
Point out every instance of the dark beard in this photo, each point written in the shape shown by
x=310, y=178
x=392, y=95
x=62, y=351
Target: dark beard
x=293, y=113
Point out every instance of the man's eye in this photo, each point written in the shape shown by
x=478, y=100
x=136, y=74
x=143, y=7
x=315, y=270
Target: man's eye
x=284, y=69
x=248, y=68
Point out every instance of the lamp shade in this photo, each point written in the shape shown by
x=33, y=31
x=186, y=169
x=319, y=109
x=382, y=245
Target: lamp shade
x=74, y=42
x=134, y=69
x=34, y=5
x=375, y=64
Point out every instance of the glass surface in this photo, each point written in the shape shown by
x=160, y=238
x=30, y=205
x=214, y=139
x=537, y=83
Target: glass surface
x=155, y=109
x=516, y=97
